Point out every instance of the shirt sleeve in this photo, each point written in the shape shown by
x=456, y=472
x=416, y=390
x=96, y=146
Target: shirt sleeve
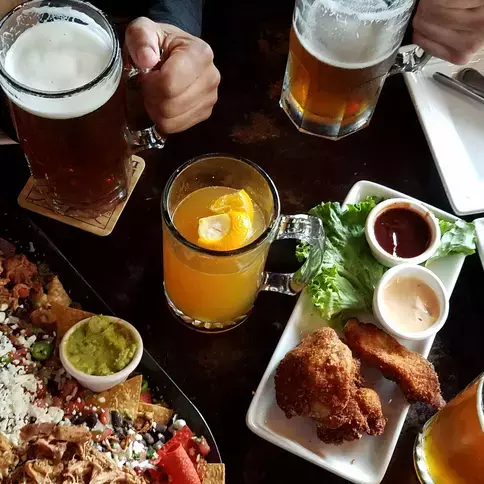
x=185, y=14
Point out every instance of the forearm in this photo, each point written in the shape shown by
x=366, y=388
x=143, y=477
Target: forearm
x=185, y=14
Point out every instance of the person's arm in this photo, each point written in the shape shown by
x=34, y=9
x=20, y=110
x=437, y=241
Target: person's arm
x=185, y=14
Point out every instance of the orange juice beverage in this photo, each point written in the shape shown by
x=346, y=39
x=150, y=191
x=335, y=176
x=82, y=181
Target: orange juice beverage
x=207, y=289
x=220, y=216
x=450, y=449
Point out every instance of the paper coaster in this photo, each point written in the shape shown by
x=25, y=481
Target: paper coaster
x=31, y=199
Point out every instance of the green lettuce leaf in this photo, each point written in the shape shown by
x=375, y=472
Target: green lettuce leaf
x=457, y=237
x=349, y=272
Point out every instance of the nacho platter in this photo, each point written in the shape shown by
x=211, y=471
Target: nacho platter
x=180, y=422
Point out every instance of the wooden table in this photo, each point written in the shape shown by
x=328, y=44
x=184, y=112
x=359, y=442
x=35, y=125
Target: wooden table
x=219, y=373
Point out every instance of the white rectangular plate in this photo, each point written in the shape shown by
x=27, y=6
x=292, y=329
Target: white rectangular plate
x=366, y=460
x=480, y=238
x=454, y=127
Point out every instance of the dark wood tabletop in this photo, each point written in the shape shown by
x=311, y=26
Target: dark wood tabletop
x=220, y=373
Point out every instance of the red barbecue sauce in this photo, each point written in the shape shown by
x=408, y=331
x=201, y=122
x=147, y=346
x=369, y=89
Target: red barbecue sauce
x=402, y=232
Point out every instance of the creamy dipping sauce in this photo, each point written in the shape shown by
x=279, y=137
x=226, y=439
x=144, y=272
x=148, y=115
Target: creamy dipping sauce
x=410, y=304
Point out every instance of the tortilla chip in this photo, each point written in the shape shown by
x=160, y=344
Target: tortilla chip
x=66, y=317
x=155, y=413
x=214, y=474
x=123, y=398
x=57, y=294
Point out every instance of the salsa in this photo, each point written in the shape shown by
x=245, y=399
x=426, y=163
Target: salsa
x=101, y=346
x=402, y=232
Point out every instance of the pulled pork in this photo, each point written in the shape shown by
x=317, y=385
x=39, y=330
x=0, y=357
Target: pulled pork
x=64, y=455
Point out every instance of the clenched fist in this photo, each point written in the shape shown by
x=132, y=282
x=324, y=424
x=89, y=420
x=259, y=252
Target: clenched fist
x=183, y=91
x=450, y=29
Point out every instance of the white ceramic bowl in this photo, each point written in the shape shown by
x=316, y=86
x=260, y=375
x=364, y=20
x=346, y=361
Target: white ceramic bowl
x=426, y=276
x=389, y=260
x=100, y=383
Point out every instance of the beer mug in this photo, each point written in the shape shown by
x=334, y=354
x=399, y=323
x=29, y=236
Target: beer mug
x=450, y=448
x=62, y=70
x=340, y=53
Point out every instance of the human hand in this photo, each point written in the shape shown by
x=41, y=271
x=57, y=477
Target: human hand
x=183, y=91
x=450, y=29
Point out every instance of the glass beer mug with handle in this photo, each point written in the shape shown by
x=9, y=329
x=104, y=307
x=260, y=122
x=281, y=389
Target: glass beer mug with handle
x=62, y=70
x=340, y=53
x=450, y=449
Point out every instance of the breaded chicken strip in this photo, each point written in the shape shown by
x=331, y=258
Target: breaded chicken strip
x=320, y=379
x=411, y=371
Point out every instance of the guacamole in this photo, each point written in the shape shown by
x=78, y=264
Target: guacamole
x=101, y=347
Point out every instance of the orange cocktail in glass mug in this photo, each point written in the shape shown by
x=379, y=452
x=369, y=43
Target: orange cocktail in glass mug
x=220, y=216
x=450, y=449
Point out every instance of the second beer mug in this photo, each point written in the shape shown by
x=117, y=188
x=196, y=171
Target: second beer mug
x=61, y=68
x=340, y=53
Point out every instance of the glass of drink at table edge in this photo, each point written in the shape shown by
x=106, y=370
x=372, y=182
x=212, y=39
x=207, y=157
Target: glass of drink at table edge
x=340, y=53
x=74, y=133
x=213, y=286
x=450, y=449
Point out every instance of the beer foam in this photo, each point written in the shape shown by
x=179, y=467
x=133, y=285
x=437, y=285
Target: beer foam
x=57, y=56
x=351, y=34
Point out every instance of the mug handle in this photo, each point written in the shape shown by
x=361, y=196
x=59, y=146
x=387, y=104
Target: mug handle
x=305, y=228
x=142, y=134
x=409, y=59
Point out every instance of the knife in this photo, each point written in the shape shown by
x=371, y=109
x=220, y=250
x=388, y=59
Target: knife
x=459, y=86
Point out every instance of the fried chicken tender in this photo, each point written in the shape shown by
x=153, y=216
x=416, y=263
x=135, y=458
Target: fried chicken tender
x=320, y=379
x=411, y=371
x=362, y=415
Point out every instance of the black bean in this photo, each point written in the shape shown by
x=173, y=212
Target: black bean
x=53, y=388
x=78, y=419
x=116, y=419
x=162, y=438
x=32, y=420
x=120, y=432
x=160, y=428
x=91, y=420
x=148, y=439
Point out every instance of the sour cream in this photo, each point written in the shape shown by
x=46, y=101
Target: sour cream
x=411, y=303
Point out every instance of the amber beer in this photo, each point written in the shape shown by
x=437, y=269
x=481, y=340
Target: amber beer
x=450, y=449
x=64, y=82
x=326, y=95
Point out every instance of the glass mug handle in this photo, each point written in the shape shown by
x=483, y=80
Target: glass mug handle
x=305, y=228
x=410, y=58
x=142, y=133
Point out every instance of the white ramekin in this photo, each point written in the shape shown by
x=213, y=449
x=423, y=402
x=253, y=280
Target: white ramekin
x=100, y=383
x=426, y=276
x=389, y=260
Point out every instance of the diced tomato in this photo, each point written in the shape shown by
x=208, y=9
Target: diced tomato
x=69, y=389
x=74, y=406
x=28, y=332
x=39, y=402
x=41, y=390
x=104, y=416
x=57, y=402
x=100, y=437
x=19, y=354
x=145, y=397
x=23, y=290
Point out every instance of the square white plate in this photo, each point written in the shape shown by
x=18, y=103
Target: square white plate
x=454, y=127
x=362, y=461
x=480, y=238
